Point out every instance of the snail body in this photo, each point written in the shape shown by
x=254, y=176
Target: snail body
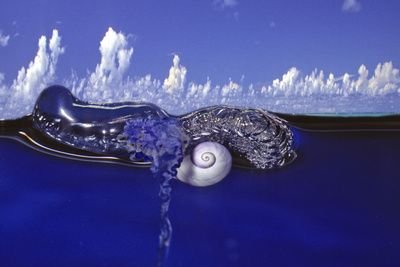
x=209, y=163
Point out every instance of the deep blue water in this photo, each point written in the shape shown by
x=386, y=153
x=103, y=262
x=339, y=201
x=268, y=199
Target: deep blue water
x=336, y=205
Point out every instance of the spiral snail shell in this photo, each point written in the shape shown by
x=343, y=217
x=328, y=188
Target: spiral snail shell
x=209, y=163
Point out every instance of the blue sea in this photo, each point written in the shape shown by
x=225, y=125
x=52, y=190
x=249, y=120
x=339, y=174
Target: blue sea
x=336, y=205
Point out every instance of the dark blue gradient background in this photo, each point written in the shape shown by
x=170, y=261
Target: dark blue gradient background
x=337, y=205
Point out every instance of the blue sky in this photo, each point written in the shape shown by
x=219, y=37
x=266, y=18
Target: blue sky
x=258, y=39
x=249, y=42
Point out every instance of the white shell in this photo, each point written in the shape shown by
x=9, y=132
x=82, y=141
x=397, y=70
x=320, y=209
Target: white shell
x=209, y=163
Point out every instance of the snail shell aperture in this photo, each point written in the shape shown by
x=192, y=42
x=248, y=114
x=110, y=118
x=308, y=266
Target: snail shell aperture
x=209, y=163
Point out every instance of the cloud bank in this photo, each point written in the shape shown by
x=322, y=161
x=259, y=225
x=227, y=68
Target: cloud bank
x=294, y=92
x=17, y=99
x=109, y=73
x=385, y=80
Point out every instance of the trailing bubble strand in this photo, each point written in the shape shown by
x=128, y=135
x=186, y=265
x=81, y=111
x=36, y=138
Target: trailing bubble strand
x=162, y=142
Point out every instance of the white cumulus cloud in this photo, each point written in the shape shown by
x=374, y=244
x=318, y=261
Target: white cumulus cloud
x=230, y=88
x=41, y=70
x=4, y=39
x=176, y=78
x=351, y=6
x=3, y=93
x=199, y=90
x=32, y=79
x=116, y=55
x=284, y=85
x=386, y=80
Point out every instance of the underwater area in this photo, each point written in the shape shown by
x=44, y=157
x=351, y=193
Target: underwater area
x=335, y=204
x=271, y=139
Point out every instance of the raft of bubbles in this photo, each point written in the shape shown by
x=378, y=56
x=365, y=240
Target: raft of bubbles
x=256, y=137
